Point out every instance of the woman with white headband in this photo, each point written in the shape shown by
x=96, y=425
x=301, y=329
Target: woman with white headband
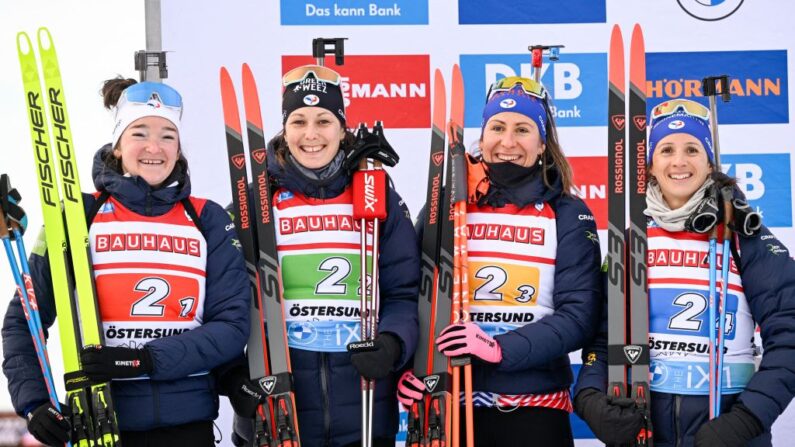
x=685, y=201
x=148, y=237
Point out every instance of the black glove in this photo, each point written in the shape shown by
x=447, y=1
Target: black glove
x=734, y=428
x=377, y=360
x=49, y=425
x=614, y=420
x=244, y=394
x=102, y=363
x=14, y=215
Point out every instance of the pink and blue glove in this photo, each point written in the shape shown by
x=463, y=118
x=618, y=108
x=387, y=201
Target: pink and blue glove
x=468, y=339
x=409, y=390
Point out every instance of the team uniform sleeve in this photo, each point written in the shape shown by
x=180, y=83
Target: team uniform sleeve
x=577, y=296
x=399, y=270
x=225, y=328
x=593, y=373
x=20, y=363
x=768, y=276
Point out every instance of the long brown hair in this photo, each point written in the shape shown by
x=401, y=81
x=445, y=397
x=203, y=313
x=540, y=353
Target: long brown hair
x=111, y=92
x=553, y=155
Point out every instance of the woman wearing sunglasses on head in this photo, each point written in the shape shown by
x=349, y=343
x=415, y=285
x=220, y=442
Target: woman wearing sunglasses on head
x=533, y=276
x=149, y=238
x=684, y=204
x=310, y=163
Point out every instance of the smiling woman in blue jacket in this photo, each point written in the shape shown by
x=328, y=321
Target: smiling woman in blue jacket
x=533, y=276
x=148, y=237
x=761, y=290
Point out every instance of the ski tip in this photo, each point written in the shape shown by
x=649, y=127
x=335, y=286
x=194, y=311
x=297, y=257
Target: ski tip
x=637, y=31
x=637, y=63
x=24, y=46
x=229, y=101
x=439, y=99
x=616, y=63
x=251, y=99
x=45, y=39
x=247, y=70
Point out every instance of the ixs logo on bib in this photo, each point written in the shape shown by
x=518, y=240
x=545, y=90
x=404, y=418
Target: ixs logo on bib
x=530, y=11
x=575, y=82
x=371, y=12
x=765, y=181
x=394, y=89
x=758, y=82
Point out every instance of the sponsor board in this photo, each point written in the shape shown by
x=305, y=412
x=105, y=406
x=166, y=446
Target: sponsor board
x=472, y=12
x=758, y=82
x=394, y=89
x=590, y=181
x=577, y=84
x=354, y=12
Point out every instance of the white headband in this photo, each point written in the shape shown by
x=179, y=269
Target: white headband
x=128, y=111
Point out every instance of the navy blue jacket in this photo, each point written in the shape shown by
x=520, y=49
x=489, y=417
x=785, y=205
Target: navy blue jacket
x=327, y=386
x=535, y=357
x=768, y=277
x=170, y=397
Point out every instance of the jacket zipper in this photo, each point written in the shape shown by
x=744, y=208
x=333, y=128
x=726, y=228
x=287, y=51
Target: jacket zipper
x=324, y=392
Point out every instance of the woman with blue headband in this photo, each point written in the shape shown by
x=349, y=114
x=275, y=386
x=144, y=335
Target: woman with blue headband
x=684, y=204
x=534, y=280
x=148, y=238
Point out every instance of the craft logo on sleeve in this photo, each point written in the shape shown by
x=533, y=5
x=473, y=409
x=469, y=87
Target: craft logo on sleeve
x=394, y=89
x=576, y=84
x=530, y=11
x=757, y=82
x=354, y=12
x=710, y=10
x=766, y=182
x=590, y=181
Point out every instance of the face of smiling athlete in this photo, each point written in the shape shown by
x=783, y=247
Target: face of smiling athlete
x=149, y=148
x=511, y=137
x=680, y=165
x=313, y=135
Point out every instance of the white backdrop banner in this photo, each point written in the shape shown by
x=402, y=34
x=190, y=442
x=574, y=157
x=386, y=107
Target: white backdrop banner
x=393, y=47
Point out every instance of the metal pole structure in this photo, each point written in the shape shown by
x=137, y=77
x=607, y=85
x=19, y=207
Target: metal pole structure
x=151, y=62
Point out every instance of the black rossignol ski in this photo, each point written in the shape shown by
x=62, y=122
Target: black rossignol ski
x=638, y=273
x=626, y=260
x=92, y=416
x=616, y=219
x=276, y=424
x=428, y=361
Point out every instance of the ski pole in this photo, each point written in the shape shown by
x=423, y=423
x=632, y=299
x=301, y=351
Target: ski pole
x=718, y=305
x=27, y=298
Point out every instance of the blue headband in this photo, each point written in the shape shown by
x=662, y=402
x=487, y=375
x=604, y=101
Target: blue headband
x=517, y=101
x=681, y=123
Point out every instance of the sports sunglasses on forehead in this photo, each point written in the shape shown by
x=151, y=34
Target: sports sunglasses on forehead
x=144, y=92
x=673, y=106
x=529, y=86
x=320, y=73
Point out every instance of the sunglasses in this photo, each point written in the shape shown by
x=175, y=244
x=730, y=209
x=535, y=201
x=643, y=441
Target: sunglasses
x=320, y=73
x=153, y=93
x=529, y=86
x=673, y=106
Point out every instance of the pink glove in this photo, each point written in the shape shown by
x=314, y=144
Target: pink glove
x=468, y=339
x=409, y=390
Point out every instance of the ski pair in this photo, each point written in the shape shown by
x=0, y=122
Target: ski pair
x=276, y=423
x=627, y=293
x=444, y=289
x=93, y=418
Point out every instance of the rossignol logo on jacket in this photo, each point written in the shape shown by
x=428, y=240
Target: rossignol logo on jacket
x=511, y=265
x=318, y=244
x=678, y=264
x=150, y=273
